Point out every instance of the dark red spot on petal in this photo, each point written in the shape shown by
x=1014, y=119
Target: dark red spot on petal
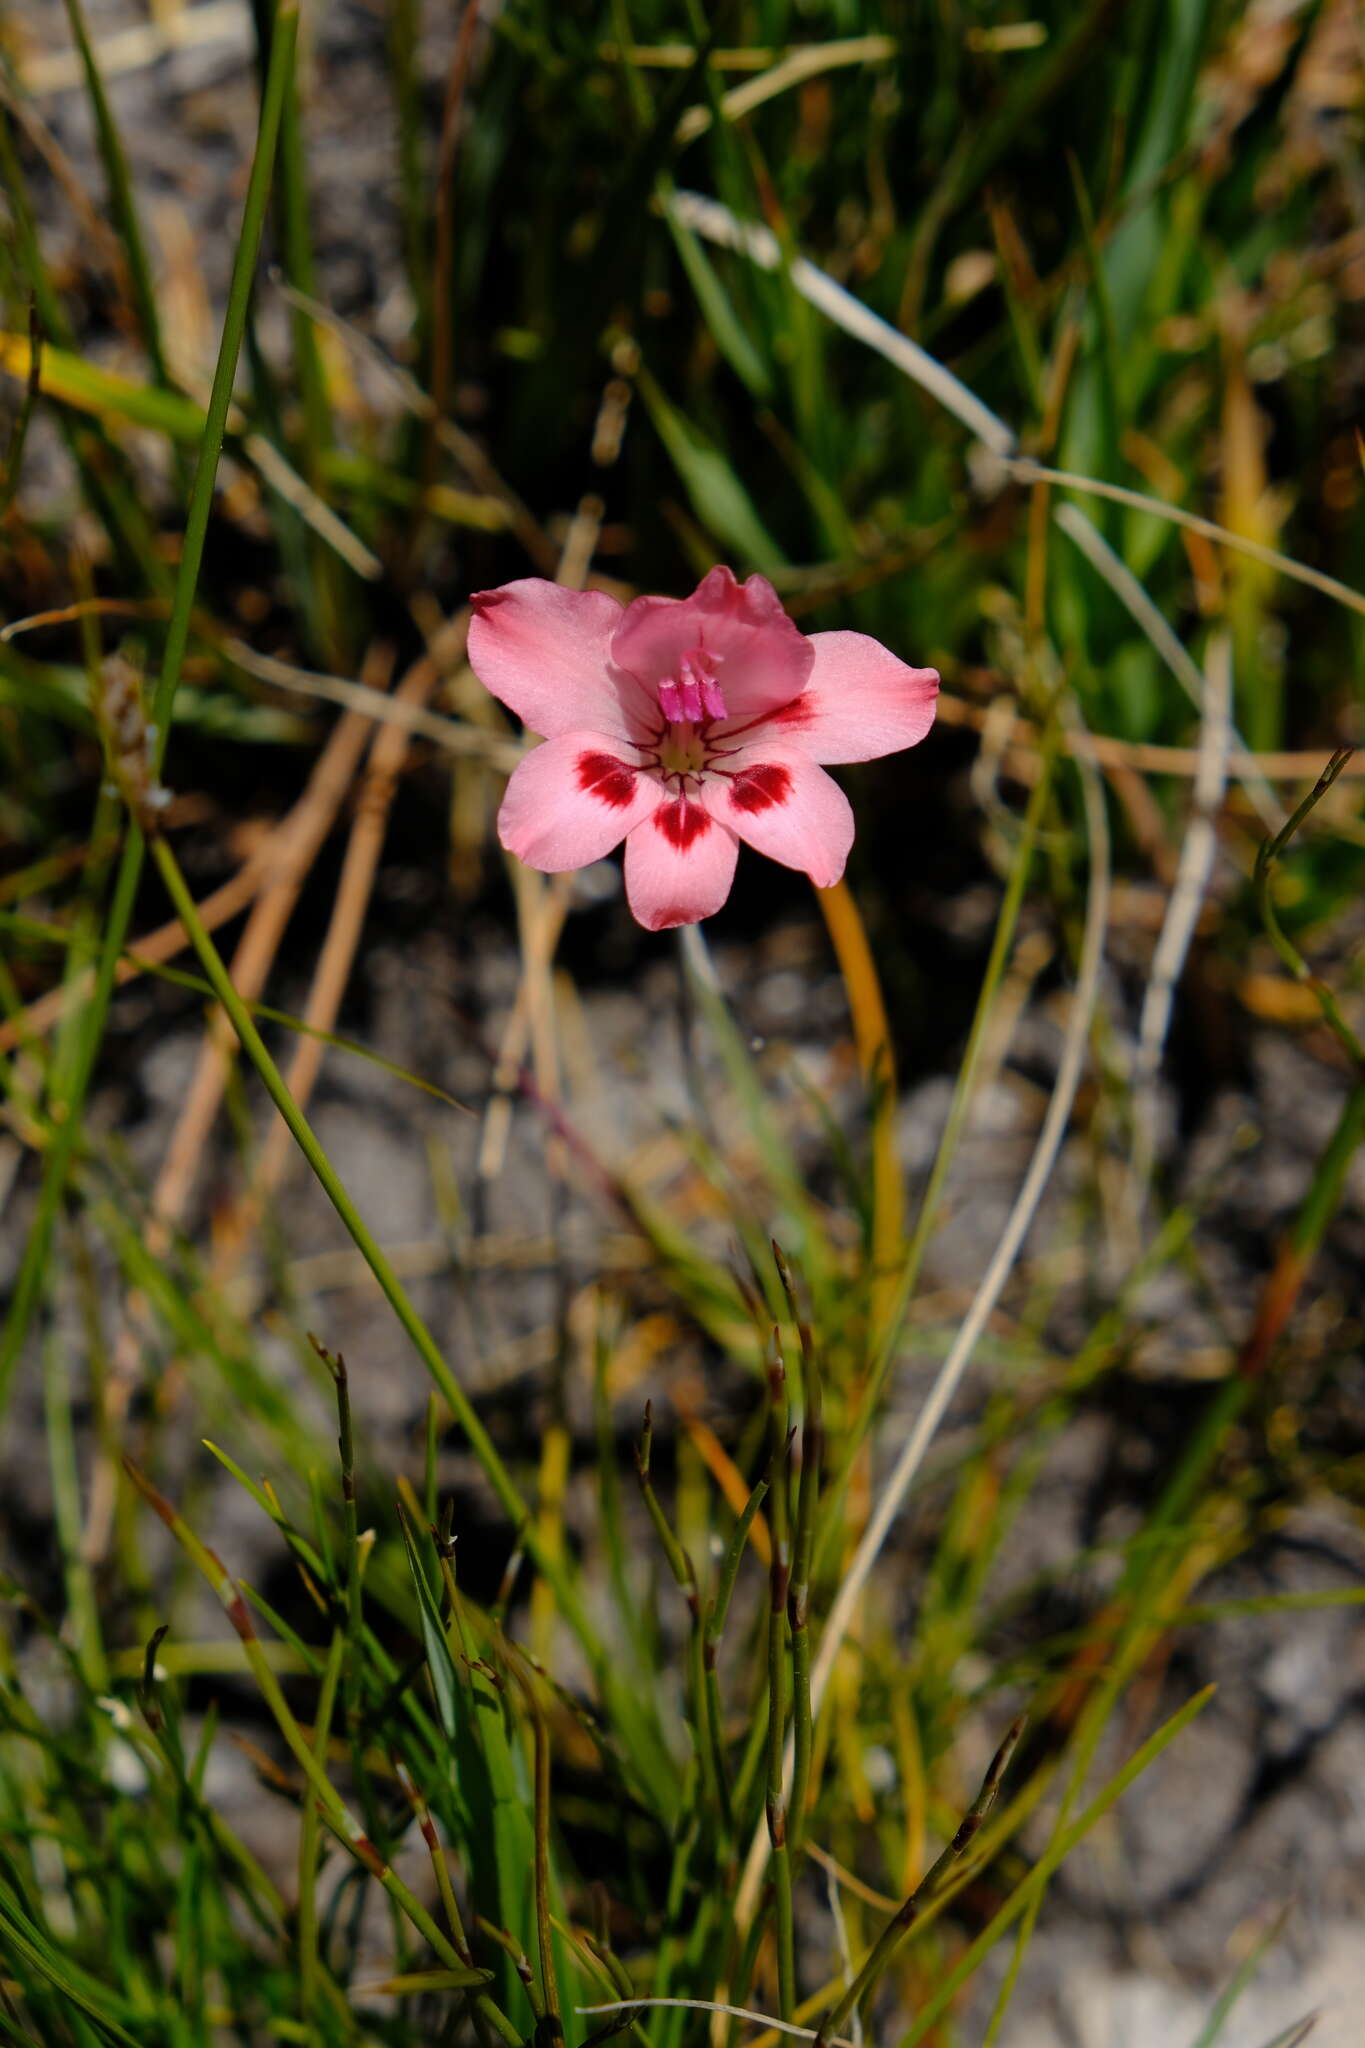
x=682, y=822
x=603, y=776
x=759, y=787
x=666, y=920
x=794, y=715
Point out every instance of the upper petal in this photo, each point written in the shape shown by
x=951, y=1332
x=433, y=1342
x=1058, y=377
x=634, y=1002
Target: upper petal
x=546, y=653
x=762, y=660
x=776, y=798
x=572, y=800
x=860, y=702
x=679, y=865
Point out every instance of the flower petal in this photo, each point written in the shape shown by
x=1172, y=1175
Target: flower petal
x=546, y=653
x=777, y=800
x=761, y=659
x=572, y=800
x=679, y=865
x=860, y=702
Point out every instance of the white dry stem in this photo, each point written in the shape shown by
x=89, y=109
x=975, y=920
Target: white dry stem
x=836, y=1914
x=793, y=69
x=497, y=748
x=1025, y=470
x=499, y=506
x=734, y=2012
x=1182, y=912
x=716, y=222
x=1183, y=667
x=283, y=479
x=709, y=218
x=1007, y=1251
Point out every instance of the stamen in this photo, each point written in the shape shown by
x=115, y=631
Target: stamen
x=690, y=685
x=694, y=693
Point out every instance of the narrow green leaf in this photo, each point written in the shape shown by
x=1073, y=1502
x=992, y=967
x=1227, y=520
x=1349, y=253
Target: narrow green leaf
x=424, y=1980
x=71, y=380
x=718, y=310
x=440, y=1663
x=718, y=497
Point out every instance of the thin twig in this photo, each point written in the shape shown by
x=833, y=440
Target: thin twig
x=358, y=696
x=1021, y=739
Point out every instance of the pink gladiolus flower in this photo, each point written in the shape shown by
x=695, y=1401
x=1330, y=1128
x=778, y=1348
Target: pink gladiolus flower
x=683, y=725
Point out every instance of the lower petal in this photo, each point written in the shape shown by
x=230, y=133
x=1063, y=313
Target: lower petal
x=780, y=803
x=679, y=866
x=572, y=800
x=861, y=702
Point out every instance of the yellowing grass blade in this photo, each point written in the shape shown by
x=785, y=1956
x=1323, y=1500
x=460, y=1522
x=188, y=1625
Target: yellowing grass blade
x=70, y=380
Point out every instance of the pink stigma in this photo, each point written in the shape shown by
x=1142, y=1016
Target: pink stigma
x=693, y=694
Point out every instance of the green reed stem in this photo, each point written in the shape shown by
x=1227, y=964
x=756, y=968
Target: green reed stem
x=121, y=203
x=717, y=1609
x=901, y=1921
x=332, y=1806
x=1047, y=1865
x=67, y=1115
x=103, y=473
x=778, y=1690
x=367, y=1244
x=18, y=432
x=734, y=1557
x=402, y=54
x=798, y=1597
x=310, y=1828
x=648, y=1755
x=336, y=1366
x=706, y=1733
